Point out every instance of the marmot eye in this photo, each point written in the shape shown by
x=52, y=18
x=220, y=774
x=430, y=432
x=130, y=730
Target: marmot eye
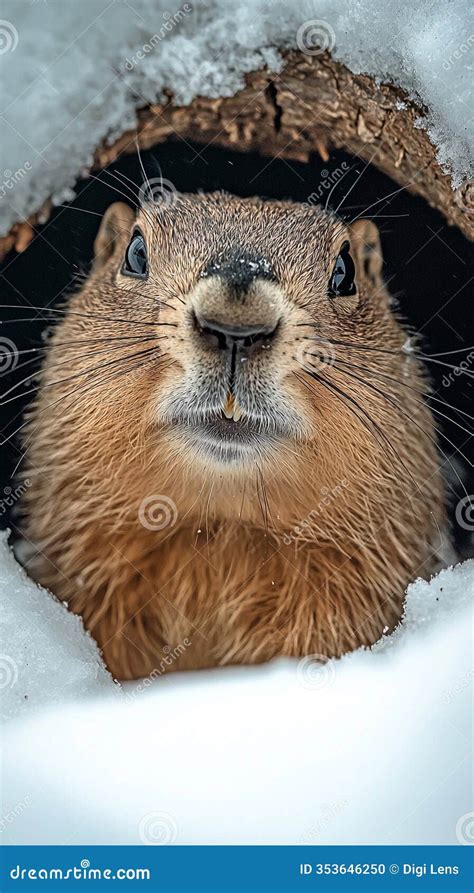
x=136, y=258
x=342, y=282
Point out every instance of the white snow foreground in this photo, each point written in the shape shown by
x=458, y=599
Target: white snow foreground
x=46, y=657
x=372, y=748
x=75, y=79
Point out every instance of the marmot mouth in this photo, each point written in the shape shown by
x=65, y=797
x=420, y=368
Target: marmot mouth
x=229, y=440
x=230, y=430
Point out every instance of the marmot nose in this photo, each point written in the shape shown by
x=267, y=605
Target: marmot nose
x=229, y=337
x=239, y=269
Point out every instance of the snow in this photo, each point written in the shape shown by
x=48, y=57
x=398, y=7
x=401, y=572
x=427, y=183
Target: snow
x=46, y=657
x=73, y=74
x=372, y=748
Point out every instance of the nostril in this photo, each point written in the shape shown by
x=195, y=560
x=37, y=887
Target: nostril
x=227, y=337
x=214, y=336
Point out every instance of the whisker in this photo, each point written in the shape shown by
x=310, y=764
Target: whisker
x=110, y=185
x=90, y=315
x=337, y=184
x=66, y=345
x=426, y=394
x=72, y=207
x=76, y=375
x=385, y=198
x=331, y=386
x=366, y=165
x=86, y=388
x=419, y=354
x=398, y=408
x=66, y=362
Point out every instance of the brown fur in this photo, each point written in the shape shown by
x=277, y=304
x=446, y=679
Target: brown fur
x=306, y=549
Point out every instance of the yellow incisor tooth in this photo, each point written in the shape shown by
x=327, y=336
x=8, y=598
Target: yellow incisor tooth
x=228, y=408
x=237, y=412
x=231, y=408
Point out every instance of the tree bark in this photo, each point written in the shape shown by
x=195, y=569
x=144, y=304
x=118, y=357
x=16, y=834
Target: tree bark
x=313, y=105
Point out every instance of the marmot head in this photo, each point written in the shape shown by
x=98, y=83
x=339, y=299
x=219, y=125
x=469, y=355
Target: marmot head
x=230, y=385
x=251, y=300
x=220, y=342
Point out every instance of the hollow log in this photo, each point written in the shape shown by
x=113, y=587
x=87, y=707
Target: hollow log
x=314, y=104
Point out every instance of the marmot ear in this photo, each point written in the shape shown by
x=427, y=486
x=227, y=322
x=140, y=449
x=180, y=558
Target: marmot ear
x=367, y=251
x=114, y=232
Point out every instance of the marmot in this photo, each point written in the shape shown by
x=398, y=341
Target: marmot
x=230, y=455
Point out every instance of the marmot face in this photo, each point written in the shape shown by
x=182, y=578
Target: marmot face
x=251, y=300
x=237, y=363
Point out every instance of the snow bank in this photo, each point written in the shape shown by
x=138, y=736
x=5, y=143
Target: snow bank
x=45, y=655
x=72, y=79
x=372, y=748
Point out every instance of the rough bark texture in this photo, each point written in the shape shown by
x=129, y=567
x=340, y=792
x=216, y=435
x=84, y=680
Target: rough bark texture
x=313, y=105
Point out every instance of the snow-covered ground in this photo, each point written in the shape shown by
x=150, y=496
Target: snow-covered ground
x=372, y=748
x=98, y=60
x=45, y=657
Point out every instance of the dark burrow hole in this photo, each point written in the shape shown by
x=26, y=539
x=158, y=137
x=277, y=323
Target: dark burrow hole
x=426, y=264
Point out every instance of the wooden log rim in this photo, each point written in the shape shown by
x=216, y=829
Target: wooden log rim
x=314, y=104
